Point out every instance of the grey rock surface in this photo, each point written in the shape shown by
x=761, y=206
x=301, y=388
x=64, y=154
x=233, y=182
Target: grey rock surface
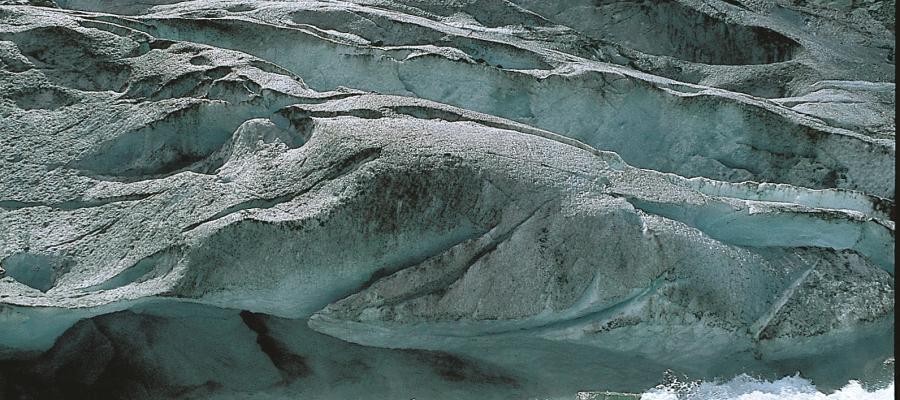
x=467, y=199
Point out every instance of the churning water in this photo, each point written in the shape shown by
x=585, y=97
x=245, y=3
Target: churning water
x=744, y=387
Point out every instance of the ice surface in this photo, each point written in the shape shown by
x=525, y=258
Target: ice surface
x=422, y=199
x=651, y=123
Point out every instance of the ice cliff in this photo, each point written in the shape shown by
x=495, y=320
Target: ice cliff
x=397, y=199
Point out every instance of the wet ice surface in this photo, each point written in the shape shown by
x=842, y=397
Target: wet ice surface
x=472, y=199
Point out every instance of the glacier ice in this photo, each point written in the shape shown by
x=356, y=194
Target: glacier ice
x=468, y=199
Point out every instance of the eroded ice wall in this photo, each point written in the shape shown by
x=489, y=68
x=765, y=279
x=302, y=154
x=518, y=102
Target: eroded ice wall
x=484, y=199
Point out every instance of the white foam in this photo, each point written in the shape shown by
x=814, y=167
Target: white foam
x=745, y=387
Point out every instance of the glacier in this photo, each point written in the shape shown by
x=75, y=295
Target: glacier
x=494, y=199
